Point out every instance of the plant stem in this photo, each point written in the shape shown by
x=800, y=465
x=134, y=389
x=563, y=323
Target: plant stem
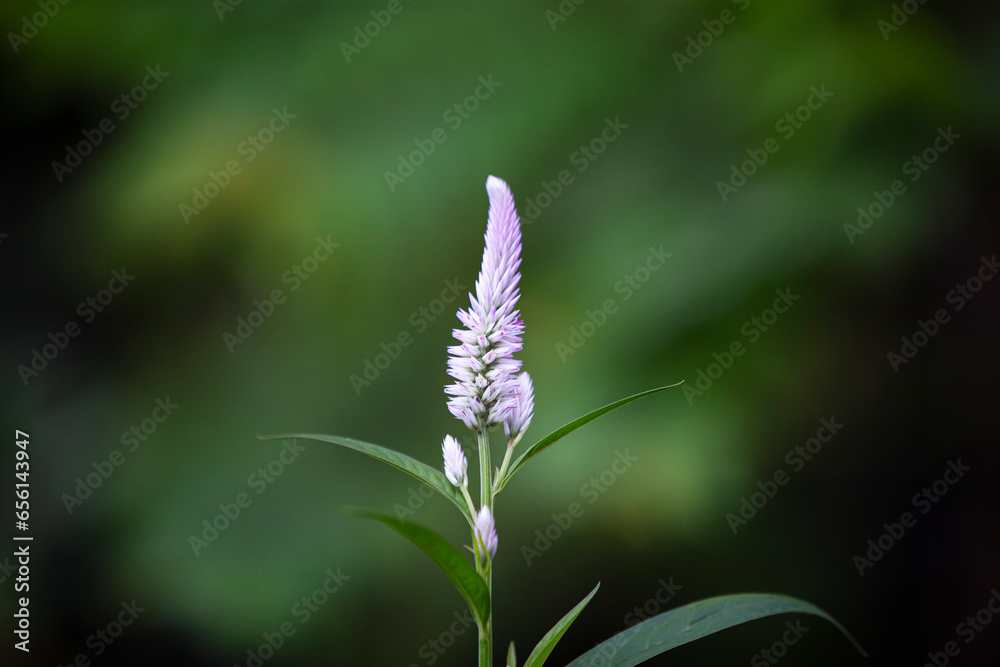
x=486, y=634
x=472, y=505
x=486, y=498
x=503, y=467
x=485, y=475
x=485, y=646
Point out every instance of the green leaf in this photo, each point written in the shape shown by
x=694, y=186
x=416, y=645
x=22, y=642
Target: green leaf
x=426, y=474
x=511, y=656
x=552, y=637
x=463, y=577
x=694, y=621
x=563, y=431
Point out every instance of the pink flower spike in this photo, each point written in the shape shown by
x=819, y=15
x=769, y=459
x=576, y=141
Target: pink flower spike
x=483, y=365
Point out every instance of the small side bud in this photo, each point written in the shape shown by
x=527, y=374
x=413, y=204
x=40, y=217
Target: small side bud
x=455, y=463
x=519, y=417
x=486, y=531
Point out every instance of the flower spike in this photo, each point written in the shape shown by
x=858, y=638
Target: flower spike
x=483, y=365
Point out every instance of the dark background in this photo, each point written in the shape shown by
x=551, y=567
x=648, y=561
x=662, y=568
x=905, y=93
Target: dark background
x=656, y=184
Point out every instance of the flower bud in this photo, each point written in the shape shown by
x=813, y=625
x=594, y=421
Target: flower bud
x=486, y=532
x=519, y=417
x=455, y=463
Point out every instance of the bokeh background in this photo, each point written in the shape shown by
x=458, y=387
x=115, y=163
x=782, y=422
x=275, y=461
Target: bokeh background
x=554, y=85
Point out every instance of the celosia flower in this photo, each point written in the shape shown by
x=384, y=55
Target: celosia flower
x=519, y=417
x=483, y=365
x=455, y=463
x=486, y=532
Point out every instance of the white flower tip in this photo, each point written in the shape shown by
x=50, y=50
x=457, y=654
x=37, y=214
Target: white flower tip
x=496, y=187
x=455, y=463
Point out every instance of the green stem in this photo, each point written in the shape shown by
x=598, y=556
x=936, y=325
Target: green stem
x=485, y=475
x=468, y=501
x=486, y=634
x=485, y=648
x=503, y=468
x=486, y=498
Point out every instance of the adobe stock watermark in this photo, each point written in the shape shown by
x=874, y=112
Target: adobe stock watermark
x=696, y=44
x=915, y=167
x=752, y=330
x=121, y=107
x=259, y=481
x=22, y=617
x=418, y=496
x=900, y=14
x=248, y=149
x=132, y=438
x=958, y=297
x=563, y=11
x=372, y=29
x=968, y=630
x=432, y=650
x=779, y=649
x=102, y=639
x=923, y=500
x=627, y=286
x=666, y=592
x=786, y=126
x=31, y=25
x=87, y=310
x=302, y=611
x=7, y=569
x=581, y=158
x=591, y=491
x=651, y=607
x=420, y=320
x=223, y=7
x=294, y=277
x=797, y=457
x=454, y=116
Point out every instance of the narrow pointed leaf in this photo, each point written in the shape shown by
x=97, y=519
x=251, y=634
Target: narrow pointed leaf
x=694, y=621
x=563, y=431
x=426, y=474
x=511, y=656
x=451, y=561
x=552, y=637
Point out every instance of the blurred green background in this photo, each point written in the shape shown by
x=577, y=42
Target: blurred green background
x=359, y=105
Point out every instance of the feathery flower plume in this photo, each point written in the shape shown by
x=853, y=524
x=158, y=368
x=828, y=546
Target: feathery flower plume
x=455, y=463
x=519, y=417
x=486, y=532
x=483, y=365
